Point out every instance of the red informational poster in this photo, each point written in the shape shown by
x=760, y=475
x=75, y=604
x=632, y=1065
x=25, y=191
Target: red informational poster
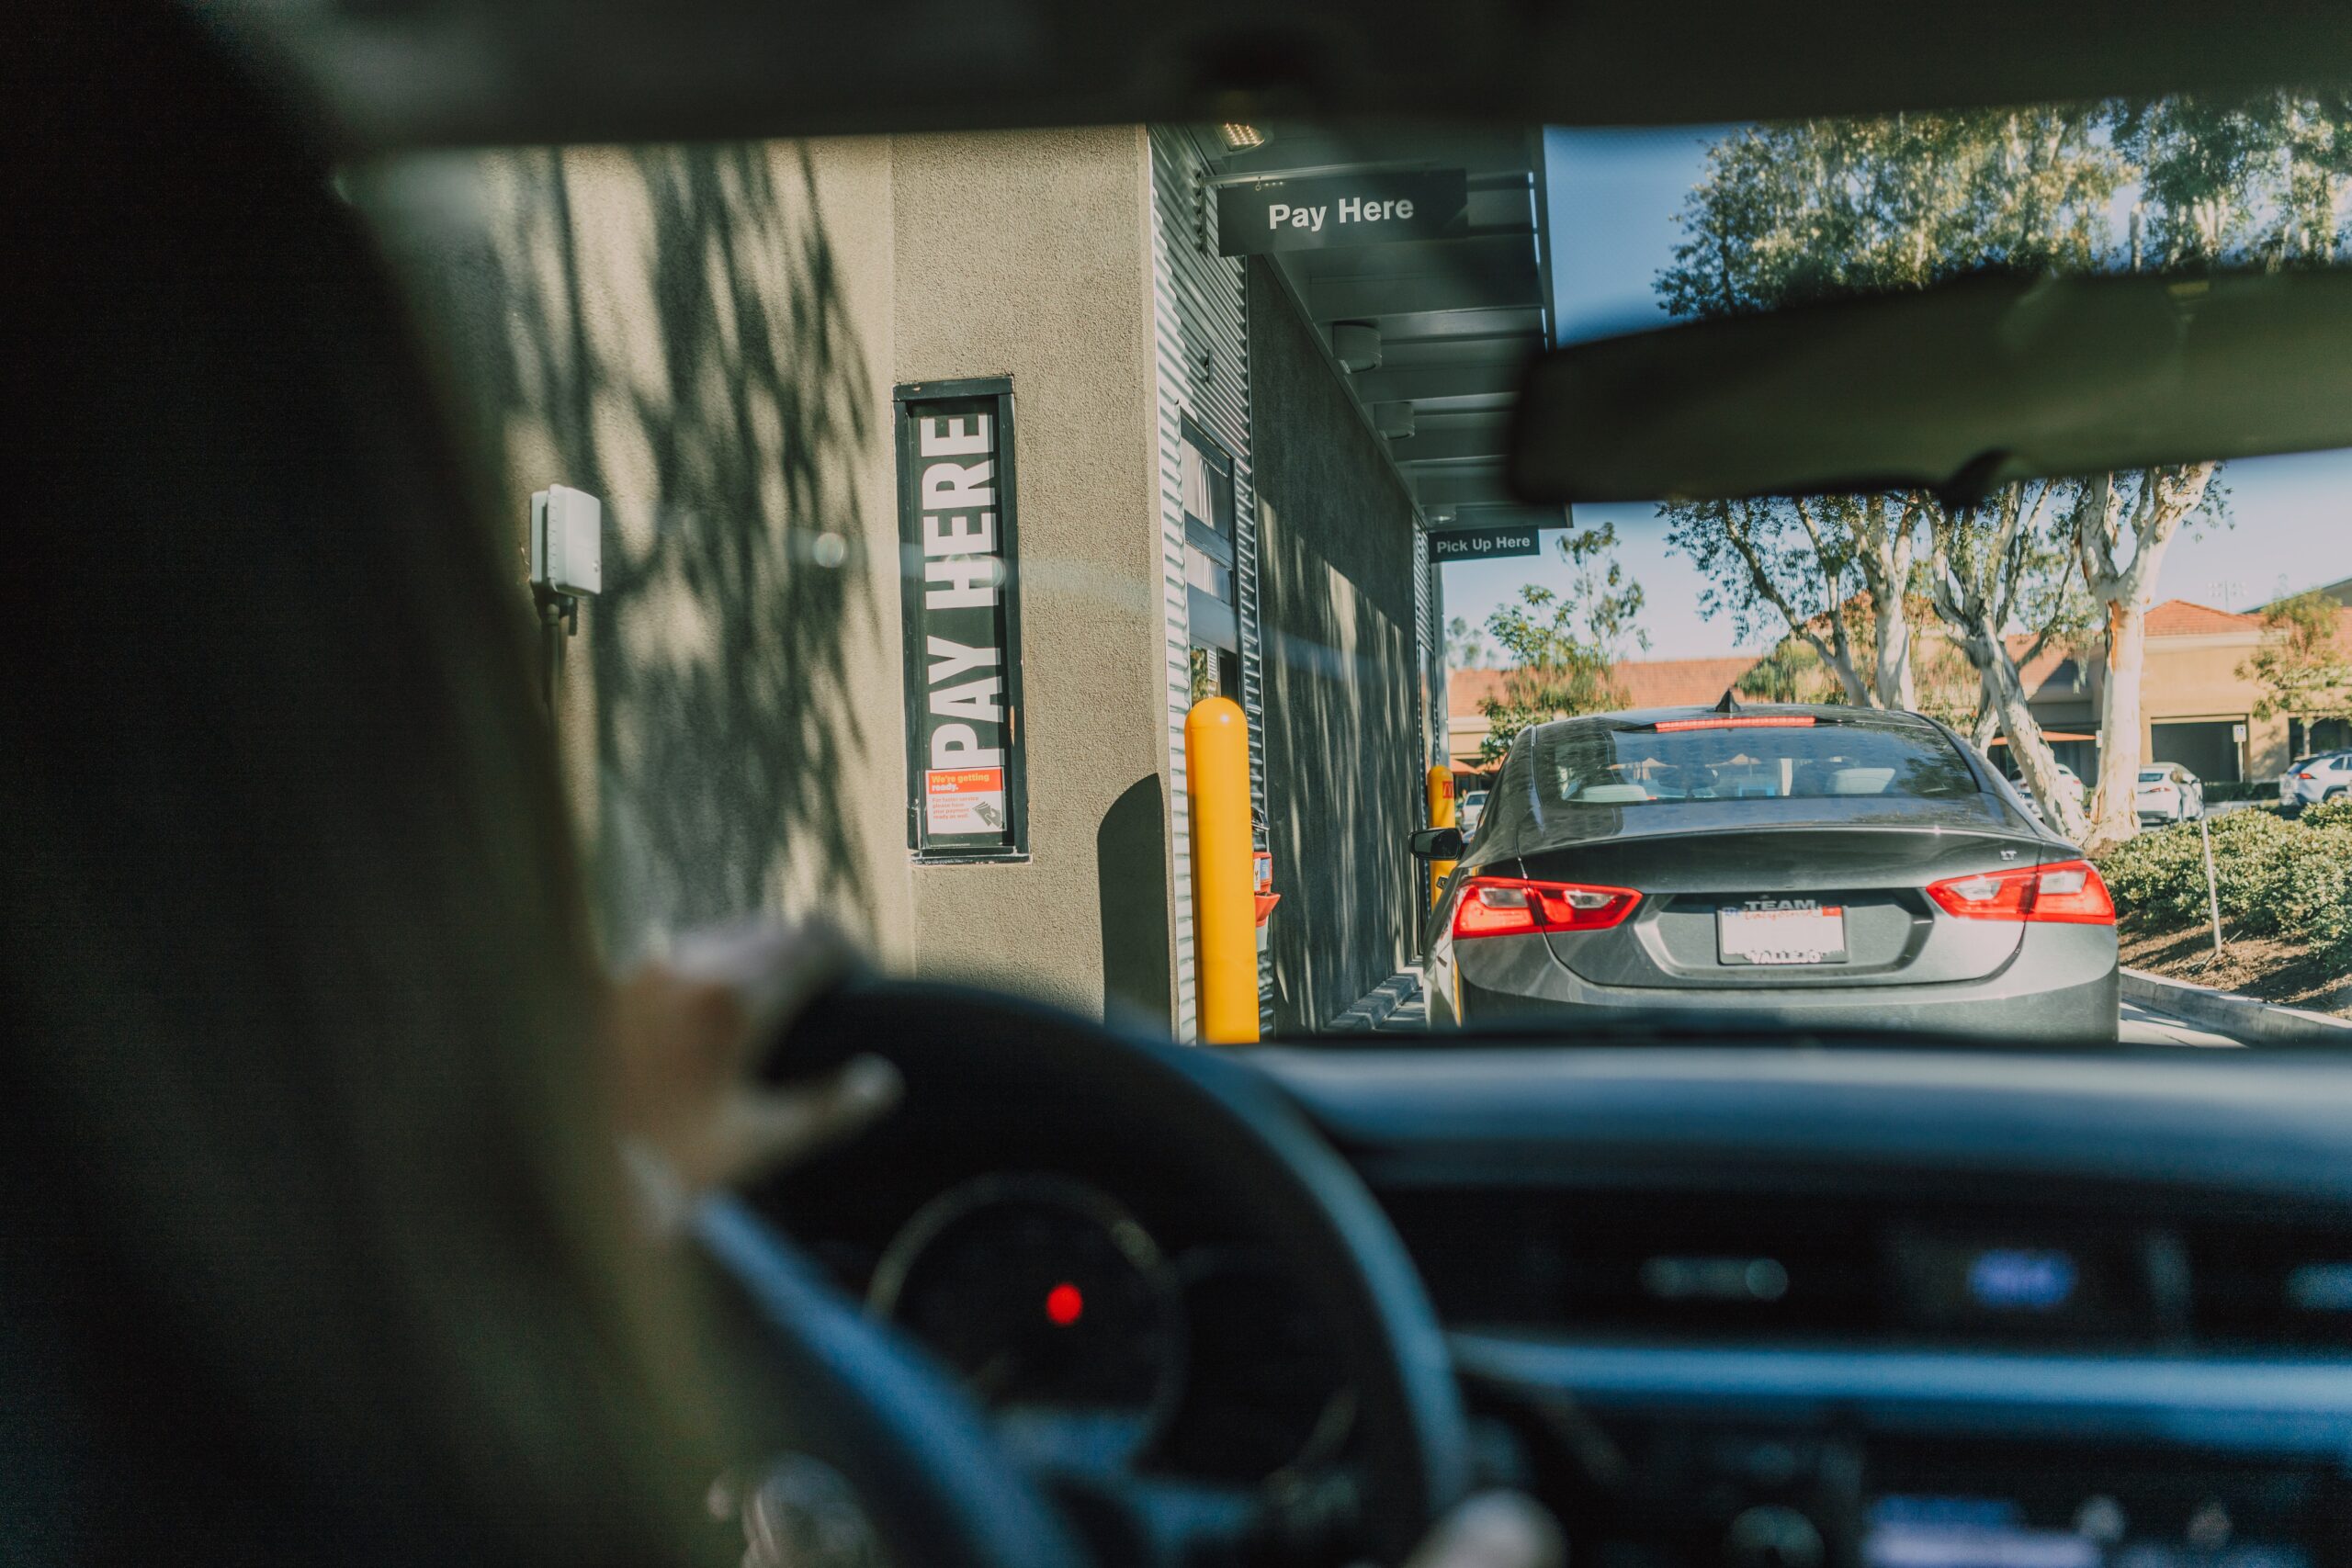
x=965, y=800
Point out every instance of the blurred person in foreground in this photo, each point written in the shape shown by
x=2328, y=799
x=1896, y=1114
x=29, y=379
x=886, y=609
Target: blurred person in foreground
x=318, y=1110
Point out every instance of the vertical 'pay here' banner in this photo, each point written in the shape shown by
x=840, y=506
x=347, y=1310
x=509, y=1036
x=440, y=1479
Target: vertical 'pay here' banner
x=966, y=795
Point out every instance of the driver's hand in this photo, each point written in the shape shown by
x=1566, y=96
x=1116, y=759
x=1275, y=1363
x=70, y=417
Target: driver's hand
x=1494, y=1529
x=686, y=1031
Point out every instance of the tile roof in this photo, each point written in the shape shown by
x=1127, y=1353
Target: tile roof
x=1647, y=682
x=1466, y=688
x=2178, y=617
x=1678, y=682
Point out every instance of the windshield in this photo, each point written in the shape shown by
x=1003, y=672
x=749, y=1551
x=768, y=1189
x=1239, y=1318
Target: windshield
x=947, y=485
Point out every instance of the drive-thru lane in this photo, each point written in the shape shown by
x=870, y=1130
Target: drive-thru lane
x=2145, y=1026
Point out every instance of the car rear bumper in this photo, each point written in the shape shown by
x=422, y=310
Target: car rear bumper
x=2062, y=986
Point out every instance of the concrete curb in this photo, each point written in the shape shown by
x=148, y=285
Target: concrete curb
x=1372, y=1010
x=2242, y=1017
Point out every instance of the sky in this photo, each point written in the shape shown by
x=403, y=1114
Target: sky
x=1613, y=196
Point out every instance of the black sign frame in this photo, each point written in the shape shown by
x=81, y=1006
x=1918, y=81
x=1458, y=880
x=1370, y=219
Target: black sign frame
x=996, y=626
x=1439, y=202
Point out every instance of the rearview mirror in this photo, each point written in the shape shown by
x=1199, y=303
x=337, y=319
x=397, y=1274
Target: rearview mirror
x=1957, y=388
x=1438, y=844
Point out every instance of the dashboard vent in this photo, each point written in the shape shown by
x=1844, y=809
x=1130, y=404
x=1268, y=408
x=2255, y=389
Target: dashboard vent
x=1926, y=1269
x=2256, y=1282
x=1647, y=1263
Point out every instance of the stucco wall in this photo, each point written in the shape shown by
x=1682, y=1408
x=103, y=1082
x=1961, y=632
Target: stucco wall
x=2196, y=678
x=1028, y=255
x=1343, y=745
x=700, y=336
x=708, y=338
x=2185, y=679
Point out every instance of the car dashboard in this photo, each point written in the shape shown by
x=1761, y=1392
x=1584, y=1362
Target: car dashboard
x=1883, y=1309
x=1771, y=1306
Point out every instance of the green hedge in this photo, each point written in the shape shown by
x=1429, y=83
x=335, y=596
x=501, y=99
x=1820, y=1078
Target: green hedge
x=2276, y=877
x=2327, y=814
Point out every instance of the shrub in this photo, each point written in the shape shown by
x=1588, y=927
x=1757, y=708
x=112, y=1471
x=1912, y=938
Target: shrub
x=2274, y=877
x=2327, y=814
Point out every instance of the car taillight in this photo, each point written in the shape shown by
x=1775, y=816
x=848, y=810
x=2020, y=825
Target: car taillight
x=1512, y=906
x=2069, y=893
x=2305, y=777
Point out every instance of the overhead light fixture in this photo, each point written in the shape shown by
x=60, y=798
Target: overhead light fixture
x=1241, y=138
x=1356, y=344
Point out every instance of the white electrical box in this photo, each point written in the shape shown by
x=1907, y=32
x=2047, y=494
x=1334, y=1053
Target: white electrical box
x=567, y=540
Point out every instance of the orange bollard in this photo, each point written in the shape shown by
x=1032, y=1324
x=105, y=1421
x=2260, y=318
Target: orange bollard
x=1225, y=892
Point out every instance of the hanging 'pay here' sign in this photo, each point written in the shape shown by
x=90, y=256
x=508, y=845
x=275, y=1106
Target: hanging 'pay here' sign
x=1341, y=209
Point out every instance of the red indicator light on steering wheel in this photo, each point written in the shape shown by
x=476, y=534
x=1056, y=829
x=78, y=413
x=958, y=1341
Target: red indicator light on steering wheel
x=1064, y=1305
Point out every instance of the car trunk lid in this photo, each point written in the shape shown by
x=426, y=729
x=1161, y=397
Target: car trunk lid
x=1787, y=906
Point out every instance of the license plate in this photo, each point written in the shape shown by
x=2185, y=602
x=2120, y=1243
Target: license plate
x=1815, y=935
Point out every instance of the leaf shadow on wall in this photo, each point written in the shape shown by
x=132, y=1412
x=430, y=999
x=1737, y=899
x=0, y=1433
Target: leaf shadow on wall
x=1340, y=762
x=696, y=364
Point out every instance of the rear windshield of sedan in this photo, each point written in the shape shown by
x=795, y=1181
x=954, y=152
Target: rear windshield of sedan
x=1599, y=765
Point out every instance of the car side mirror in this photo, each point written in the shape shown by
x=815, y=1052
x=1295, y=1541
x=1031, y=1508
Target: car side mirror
x=1438, y=844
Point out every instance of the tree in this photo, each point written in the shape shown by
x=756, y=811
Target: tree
x=2228, y=179
x=1989, y=569
x=1562, y=646
x=1792, y=214
x=2303, y=670
x=2122, y=525
x=1802, y=563
x=1465, y=646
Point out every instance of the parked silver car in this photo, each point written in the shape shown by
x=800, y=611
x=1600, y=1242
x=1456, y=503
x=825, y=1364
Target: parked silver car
x=2168, y=793
x=2310, y=780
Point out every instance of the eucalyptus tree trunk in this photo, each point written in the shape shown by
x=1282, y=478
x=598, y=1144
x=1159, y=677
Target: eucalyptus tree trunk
x=1885, y=557
x=2060, y=807
x=2123, y=589
x=1967, y=589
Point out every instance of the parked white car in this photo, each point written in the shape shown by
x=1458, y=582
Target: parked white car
x=1473, y=807
x=2167, y=791
x=2067, y=779
x=2310, y=780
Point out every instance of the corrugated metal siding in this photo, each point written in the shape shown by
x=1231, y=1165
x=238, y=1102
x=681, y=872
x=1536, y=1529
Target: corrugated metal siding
x=1425, y=700
x=1201, y=329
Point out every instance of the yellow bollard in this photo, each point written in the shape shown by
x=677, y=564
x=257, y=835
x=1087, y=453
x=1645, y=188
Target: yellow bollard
x=1224, y=905
x=1441, y=815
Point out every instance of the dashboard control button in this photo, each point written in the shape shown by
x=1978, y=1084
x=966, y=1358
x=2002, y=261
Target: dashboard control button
x=1770, y=1536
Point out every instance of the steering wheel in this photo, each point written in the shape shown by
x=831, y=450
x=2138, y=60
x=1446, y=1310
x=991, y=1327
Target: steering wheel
x=849, y=1393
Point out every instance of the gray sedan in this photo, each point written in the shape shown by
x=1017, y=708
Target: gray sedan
x=1825, y=866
